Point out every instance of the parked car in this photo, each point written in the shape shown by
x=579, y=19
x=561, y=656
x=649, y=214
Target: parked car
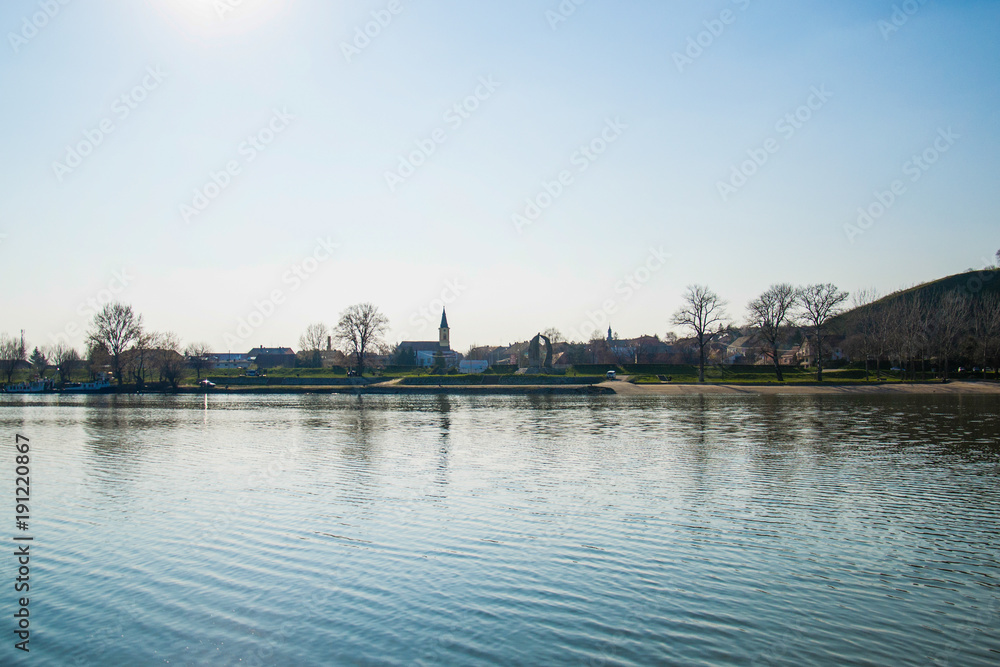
x=611, y=375
x=206, y=384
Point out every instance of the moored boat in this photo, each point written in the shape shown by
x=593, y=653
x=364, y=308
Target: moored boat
x=31, y=387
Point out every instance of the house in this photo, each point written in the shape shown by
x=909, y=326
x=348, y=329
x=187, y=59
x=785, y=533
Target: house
x=228, y=359
x=741, y=350
x=789, y=356
x=833, y=350
x=272, y=357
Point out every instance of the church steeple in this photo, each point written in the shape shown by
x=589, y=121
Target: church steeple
x=609, y=333
x=444, y=333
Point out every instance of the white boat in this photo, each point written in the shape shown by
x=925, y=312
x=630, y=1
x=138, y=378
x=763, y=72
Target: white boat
x=30, y=387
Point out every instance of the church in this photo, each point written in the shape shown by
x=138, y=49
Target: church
x=424, y=353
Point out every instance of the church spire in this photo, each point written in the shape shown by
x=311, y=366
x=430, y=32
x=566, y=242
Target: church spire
x=444, y=333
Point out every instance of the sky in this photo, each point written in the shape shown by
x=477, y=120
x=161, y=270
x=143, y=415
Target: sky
x=239, y=169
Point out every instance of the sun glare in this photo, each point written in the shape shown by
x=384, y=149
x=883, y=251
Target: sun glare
x=212, y=17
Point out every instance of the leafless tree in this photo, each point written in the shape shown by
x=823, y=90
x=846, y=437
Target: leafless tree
x=951, y=316
x=167, y=358
x=770, y=315
x=65, y=358
x=360, y=328
x=197, y=357
x=867, y=326
x=908, y=332
x=12, y=352
x=991, y=332
x=819, y=303
x=703, y=312
x=314, y=338
x=881, y=334
x=553, y=335
x=140, y=357
x=116, y=328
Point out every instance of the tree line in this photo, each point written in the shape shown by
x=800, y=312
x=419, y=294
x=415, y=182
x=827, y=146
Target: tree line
x=117, y=339
x=913, y=328
x=770, y=317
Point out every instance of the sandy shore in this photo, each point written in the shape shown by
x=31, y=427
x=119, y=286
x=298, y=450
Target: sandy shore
x=629, y=389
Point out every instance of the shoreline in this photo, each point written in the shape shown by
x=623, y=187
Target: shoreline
x=955, y=387
x=607, y=388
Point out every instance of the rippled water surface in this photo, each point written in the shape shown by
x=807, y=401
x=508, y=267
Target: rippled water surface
x=309, y=530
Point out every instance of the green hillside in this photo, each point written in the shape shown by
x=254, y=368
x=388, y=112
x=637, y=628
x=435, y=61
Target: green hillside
x=971, y=284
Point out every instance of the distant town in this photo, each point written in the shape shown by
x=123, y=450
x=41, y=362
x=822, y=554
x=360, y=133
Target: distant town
x=950, y=326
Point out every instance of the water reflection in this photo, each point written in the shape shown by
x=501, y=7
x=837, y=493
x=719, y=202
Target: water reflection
x=534, y=530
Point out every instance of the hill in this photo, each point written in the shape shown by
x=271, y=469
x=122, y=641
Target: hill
x=971, y=283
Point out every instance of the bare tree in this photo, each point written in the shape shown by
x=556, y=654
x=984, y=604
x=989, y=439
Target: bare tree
x=881, y=334
x=314, y=338
x=360, y=328
x=553, y=335
x=819, y=304
x=909, y=333
x=197, y=357
x=769, y=314
x=991, y=333
x=116, y=328
x=867, y=324
x=64, y=357
x=703, y=312
x=951, y=315
x=140, y=357
x=167, y=358
x=12, y=352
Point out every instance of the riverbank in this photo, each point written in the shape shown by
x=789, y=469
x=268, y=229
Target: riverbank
x=804, y=389
x=607, y=388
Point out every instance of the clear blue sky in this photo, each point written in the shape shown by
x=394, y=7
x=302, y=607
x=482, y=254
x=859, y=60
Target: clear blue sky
x=184, y=84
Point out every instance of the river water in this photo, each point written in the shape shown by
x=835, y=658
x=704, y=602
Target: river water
x=317, y=530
